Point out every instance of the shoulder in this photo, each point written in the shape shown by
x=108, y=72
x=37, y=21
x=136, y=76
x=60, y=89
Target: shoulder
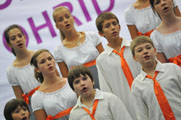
x=129, y=10
x=102, y=56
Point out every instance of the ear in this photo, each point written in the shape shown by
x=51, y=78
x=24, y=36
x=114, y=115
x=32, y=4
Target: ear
x=155, y=51
x=37, y=70
x=134, y=58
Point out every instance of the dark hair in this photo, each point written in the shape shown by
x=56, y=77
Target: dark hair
x=139, y=40
x=102, y=17
x=7, y=35
x=38, y=75
x=76, y=72
x=11, y=106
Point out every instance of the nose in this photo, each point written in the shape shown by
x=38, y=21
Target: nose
x=82, y=83
x=112, y=27
x=22, y=111
x=145, y=51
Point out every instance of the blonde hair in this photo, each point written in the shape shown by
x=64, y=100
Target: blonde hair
x=62, y=35
x=140, y=40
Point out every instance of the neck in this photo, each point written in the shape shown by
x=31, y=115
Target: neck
x=71, y=35
x=116, y=43
x=23, y=54
x=150, y=68
x=88, y=100
x=51, y=78
x=169, y=19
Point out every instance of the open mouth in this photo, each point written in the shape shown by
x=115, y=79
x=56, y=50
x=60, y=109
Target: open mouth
x=84, y=89
x=24, y=118
x=114, y=33
x=67, y=26
x=146, y=57
x=20, y=45
x=165, y=9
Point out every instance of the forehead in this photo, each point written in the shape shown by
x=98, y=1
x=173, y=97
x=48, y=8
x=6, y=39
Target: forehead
x=61, y=12
x=43, y=55
x=109, y=21
x=143, y=45
x=14, y=31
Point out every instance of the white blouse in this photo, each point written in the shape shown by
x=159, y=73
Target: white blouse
x=81, y=54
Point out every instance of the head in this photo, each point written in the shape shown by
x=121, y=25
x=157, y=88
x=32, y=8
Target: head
x=143, y=50
x=108, y=25
x=162, y=7
x=77, y=73
x=11, y=38
x=44, y=62
x=63, y=20
x=16, y=109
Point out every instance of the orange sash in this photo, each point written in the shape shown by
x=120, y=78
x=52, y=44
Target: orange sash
x=91, y=63
x=162, y=100
x=146, y=34
x=60, y=114
x=176, y=60
x=93, y=110
x=26, y=96
x=125, y=67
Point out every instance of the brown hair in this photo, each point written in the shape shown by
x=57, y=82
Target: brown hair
x=102, y=17
x=76, y=72
x=38, y=75
x=140, y=40
x=6, y=34
x=11, y=106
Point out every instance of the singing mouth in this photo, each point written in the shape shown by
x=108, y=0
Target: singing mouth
x=24, y=118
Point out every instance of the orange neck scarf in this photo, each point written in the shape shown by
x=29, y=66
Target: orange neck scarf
x=125, y=67
x=162, y=100
x=176, y=60
x=93, y=110
x=146, y=34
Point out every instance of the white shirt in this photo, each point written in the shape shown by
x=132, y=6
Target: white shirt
x=146, y=104
x=144, y=19
x=23, y=77
x=169, y=44
x=111, y=76
x=54, y=102
x=109, y=107
x=81, y=54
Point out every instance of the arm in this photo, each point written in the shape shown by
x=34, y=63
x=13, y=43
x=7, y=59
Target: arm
x=63, y=68
x=40, y=114
x=117, y=105
x=133, y=31
x=18, y=91
x=161, y=57
x=100, y=48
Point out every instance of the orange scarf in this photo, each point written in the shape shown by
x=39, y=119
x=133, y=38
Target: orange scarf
x=93, y=110
x=176, y=60
x=125, y=67
x=162, y=100
x=146, y=34
x=26, y=96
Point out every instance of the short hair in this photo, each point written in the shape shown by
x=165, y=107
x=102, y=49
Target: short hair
x=56, y=10
x=140, y=40
x=76, y=72
x=38, y=75
x=102, y=17
x=11, y=106
x=6, y=34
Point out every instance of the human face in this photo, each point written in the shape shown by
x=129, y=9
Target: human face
x=21, y=113
x=163, y=7
x=16, y=39
x=64, y=20
x=111, y=29
x=83, y=86
x=145, y=54
x=45, y=63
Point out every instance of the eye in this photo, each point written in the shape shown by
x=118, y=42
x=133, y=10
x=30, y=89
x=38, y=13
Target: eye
x=49, y=58
x=42, y=61
x=157, y=2
x=20, y=35
x=107, y=25
x=148, y=47
x=60, y=19
x=114, y=23
x=17, y=111
x=76, y=81
x=84, y=78
x=67, y=16
x=13, y=38
x=24, y=108
x=139, y=50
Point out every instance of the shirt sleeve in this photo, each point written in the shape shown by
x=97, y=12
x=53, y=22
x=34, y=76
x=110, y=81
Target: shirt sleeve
x=103, y=77
x=117, y=105
x=156, y=42
x=58, y=54
x=94, y=38
x=11, y=78
x=36, y=102
x=178, y=73
x=140, y=106
x=128, y=15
